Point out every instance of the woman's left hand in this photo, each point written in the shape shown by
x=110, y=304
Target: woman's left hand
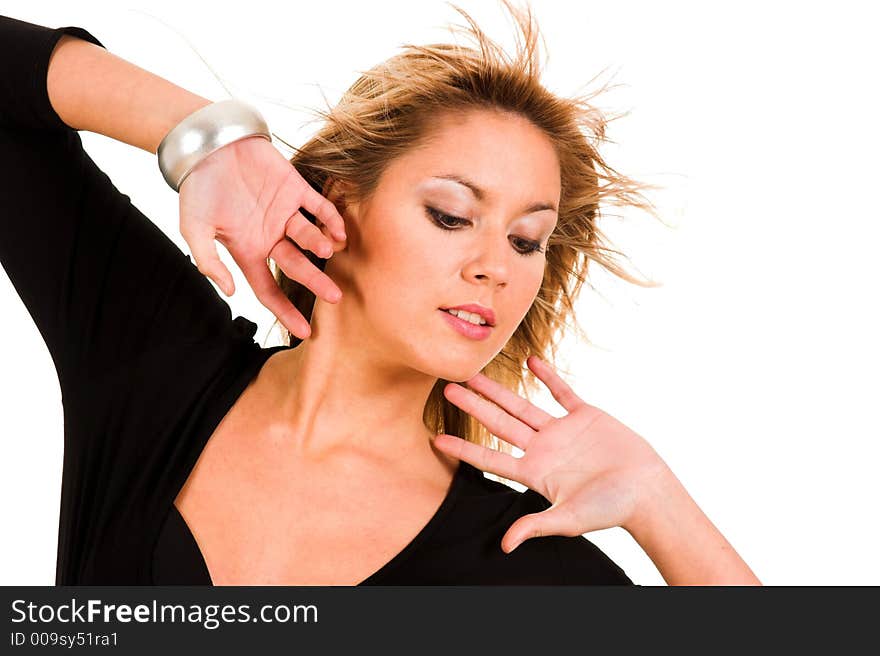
x=590, y=466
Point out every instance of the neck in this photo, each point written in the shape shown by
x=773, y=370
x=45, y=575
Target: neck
x=334, y=393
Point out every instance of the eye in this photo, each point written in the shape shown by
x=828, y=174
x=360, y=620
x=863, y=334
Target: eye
x=445, y=221
x=448, y=222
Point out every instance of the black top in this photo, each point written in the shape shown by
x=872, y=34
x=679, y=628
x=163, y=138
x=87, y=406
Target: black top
x=149, y=360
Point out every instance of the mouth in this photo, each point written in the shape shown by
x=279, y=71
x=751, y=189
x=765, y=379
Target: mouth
x=473, y=312
x=463, y=326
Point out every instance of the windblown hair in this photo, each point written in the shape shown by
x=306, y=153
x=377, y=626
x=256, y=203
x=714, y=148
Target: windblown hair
x=392, y=107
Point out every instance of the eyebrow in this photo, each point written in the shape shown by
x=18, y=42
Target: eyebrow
x=481, y=194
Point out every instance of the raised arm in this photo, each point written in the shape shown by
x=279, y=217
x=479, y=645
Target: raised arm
x=92, y=89
x=245, y=194
x=103, y=284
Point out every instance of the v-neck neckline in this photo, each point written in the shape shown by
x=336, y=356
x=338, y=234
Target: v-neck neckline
x=375, y=578
x=254, y=366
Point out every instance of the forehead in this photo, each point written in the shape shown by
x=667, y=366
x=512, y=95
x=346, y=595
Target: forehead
x=503, y=152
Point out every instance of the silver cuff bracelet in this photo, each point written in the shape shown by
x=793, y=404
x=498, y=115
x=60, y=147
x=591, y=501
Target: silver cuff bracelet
x=201, y=133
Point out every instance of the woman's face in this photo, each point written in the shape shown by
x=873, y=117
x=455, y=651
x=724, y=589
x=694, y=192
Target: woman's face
x=423, y=243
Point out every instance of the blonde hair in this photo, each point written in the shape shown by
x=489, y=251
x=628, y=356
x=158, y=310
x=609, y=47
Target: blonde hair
x=391, y=108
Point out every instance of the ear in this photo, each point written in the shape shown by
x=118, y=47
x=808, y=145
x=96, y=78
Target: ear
x=336, y=192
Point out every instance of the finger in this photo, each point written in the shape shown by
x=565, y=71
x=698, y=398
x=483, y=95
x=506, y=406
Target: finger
x=552, y=521
x=337, y=244
x=499, y=423
x=558, y=387
x=207, y=260
x=308, y=236
x=270, y=295
x=516, y=405
x=488, y=460
x=325, y=211
x=297, y=266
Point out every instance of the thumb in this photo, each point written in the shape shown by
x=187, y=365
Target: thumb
x=536, y=525
x=208, y=262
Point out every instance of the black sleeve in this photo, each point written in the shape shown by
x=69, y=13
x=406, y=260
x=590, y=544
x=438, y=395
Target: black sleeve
x=102, y=282
x=583, y=563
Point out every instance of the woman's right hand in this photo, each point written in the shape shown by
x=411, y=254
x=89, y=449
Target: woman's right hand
x=247, y=196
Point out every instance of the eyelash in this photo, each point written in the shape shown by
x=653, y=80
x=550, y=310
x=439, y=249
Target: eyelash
x=438, y=218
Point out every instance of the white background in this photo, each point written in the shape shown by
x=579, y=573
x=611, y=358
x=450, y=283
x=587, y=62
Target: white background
x=752, y=371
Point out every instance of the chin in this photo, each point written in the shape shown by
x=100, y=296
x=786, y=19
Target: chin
x=444, y=370
x=458, y=372
x=449, y=359
x=458, y=377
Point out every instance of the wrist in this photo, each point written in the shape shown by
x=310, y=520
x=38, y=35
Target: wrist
x=659, y=492
x=184, y=104
x=205, y=131
x=681, y=541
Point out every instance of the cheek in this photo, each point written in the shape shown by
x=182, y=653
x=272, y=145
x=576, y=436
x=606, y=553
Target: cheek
x=400, y=255
x=533, y=278
x=400, y=265
x=521, y=301
x=392, y=232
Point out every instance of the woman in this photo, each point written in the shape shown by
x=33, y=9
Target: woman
x=456, y=211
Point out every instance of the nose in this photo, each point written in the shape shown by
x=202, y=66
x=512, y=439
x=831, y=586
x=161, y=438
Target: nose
x=489, y=263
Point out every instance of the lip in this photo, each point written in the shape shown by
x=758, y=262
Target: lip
x=485, y=313
x=466, y=328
